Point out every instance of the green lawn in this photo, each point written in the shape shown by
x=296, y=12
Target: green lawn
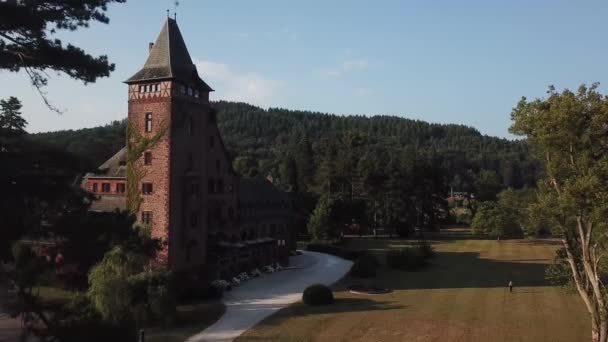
x=190, y=320
x=462, y=296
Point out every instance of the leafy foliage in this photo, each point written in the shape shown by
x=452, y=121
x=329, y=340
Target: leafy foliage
x=120, y=289
x=496, y=221
x=569, y=131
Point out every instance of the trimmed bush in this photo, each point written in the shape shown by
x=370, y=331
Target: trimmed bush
x=426, y=249
x=318, y=294
x=409, y=258
x=364, y=267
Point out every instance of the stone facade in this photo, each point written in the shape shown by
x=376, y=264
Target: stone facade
x=190, y=196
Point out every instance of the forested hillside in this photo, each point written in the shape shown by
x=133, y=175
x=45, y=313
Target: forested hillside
x=260, y=141
x=384, y=169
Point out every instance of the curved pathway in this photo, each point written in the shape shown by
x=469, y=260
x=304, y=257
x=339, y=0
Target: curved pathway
x=258, y=298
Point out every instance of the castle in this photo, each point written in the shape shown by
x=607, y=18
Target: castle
x=175, y=173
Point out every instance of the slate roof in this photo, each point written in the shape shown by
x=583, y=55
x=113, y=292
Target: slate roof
x=169, y=59
x=115, y=166
x=259, y=190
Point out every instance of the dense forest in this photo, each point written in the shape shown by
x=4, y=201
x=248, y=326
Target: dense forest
x=369, y=166
x=261, y=140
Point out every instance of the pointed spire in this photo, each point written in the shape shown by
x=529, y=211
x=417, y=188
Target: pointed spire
x=169, y=59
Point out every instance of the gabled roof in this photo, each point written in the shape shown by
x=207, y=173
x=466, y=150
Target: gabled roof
x=259, y=190
x=116, y=165
x=169, y=59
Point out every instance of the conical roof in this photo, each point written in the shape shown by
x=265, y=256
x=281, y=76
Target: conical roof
x=169, y=59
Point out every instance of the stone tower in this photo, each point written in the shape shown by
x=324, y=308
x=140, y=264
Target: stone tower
x=184, y=180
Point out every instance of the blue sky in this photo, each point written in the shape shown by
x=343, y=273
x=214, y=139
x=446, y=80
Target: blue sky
x=464, y=62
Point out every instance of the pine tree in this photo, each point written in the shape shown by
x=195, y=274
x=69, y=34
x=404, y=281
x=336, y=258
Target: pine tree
x=28, y=39
x=11, y=122
x=320, y=219
x=304, y=164
x=288, y=174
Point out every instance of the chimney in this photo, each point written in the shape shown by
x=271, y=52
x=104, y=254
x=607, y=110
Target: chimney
x=150, y=46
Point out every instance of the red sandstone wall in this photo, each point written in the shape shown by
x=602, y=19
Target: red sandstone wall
x=99, y=180
x=159, y=172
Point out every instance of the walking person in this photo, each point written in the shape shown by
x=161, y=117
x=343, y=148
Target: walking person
x=510, y=286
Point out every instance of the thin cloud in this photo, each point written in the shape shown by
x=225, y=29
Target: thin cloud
x=364, y=92
x=239, y=86
x=348, y=66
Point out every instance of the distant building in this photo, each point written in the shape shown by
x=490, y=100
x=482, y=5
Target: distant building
x=189, y=194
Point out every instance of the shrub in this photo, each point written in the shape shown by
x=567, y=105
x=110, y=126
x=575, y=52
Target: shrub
x=364, y=267
x=318, y=294
x=426, y=249
x=409, y=258
x=80, y=321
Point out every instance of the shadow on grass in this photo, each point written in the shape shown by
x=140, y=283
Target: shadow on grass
x=340, y=305
x=450, y=270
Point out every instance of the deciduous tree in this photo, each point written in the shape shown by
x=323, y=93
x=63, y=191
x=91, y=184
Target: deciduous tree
x=570, y=131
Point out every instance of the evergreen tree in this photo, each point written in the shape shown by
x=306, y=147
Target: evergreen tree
x=288, y=174
x=320, y=220
x=11, y=122
x=28, y=39
x=304, y=164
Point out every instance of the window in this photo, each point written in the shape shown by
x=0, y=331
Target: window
x=105, y=187
x=148, y=158
x=94, y=187
x=194, y=218
x=146, y=188
x=148, y=122
x=190, y=92
x=211, y=141
x=195, y=189
x=189, y=164
x=182, y=89
x=189, y=125
x=228, y=187
x=156, y=87
x=211, y=185
x=217, y=165
x=120, y=188
x=146, y=217
x=196, y=94
x=141, y=88
x=220, y=186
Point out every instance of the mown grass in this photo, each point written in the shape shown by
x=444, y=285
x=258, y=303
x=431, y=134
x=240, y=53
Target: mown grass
x=190, y=320
x=461, y=296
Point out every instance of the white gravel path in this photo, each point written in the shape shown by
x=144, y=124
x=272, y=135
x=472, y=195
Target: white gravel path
x=258, y=298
